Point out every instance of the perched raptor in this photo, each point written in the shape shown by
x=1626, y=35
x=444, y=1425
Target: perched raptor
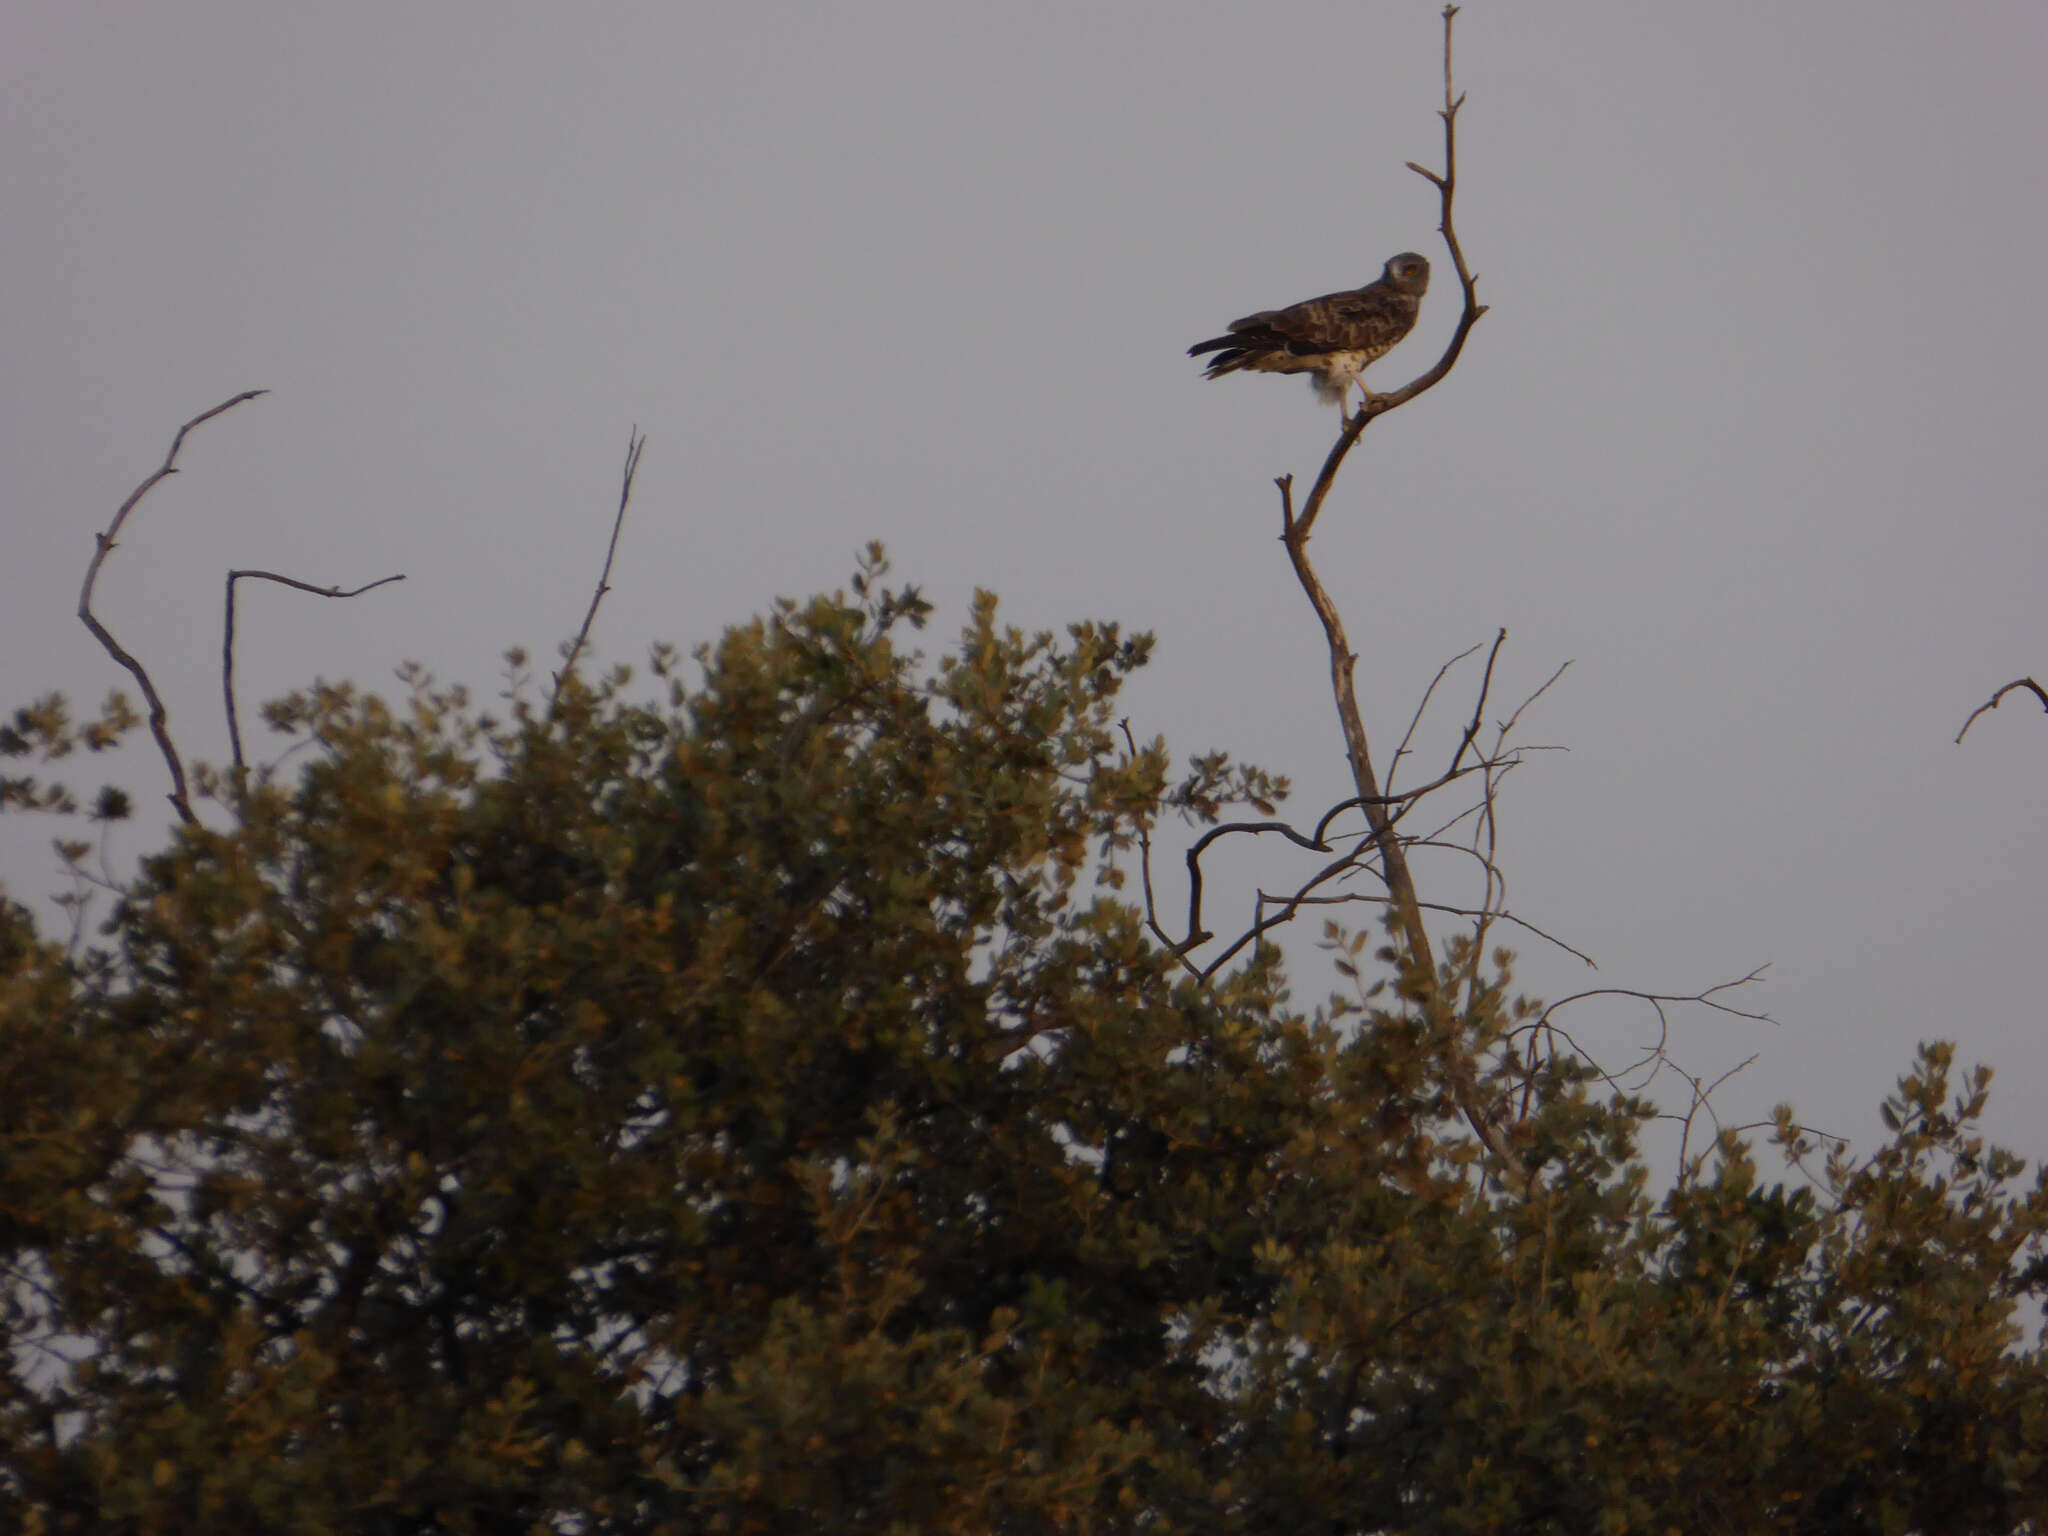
x=1332, y=337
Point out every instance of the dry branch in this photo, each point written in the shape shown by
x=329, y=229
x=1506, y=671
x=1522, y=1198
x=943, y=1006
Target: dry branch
x=159, y=717
x=227, y=643
x=1404, y=901
x=1375, y=406
x=634, y=443
x=1993, y=702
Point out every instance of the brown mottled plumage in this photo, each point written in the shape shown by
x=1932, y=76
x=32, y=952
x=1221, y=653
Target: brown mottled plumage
x=1332, y=338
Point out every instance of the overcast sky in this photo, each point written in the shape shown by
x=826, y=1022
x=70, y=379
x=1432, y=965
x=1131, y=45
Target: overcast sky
x=1753, y=435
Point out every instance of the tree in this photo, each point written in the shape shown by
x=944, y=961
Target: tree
x=740, y=1111
x=761, y=1103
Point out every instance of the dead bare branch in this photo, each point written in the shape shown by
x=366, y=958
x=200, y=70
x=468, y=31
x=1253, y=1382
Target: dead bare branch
x=1493, y=914
x=1993, y=702
x=1375, y=406
x=1654, y=1055
x=1178, y=948
x=1409, y=797
x=1358, y=858
x=1479, y=704
x=635, y=442
x=1317, y=842
x=1702, y=1099
x=1196, y=933
x=1710, y=998
x=227, y=644
x=159, y=717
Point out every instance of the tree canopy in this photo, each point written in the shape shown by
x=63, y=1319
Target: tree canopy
x=755, y=1104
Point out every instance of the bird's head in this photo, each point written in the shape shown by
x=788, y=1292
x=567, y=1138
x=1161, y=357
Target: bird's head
x=1409, y=273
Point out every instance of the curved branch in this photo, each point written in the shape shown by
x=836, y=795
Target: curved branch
x=1196, y=933
x=1993, y=702
x=1178, y=948
x=227, y=643
x=159, y=717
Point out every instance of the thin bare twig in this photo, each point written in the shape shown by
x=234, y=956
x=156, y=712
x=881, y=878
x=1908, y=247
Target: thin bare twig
x=1992, y=703
x=635, y=441
x=1486, y=830
x=1702, y=1099
x=1415, y=720
x=1407, y=798
x=227, y=643
x=1492, y=914
x=1317, y=842
x=159, y=717
x=1358, y=858
x=1508, y=725
x=1479, y=704
x=1658, y=1002
x=1178, y=948
x=1709, y=998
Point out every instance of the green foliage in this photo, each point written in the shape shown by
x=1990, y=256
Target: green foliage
x=756, y=1111
x=43, y=730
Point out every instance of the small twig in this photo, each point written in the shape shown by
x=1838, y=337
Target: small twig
x=159, y=717
x=1653, y=1058
x=634, y=443
x=1992, y=703
x=1487, y=827
x=227, y=643
x=1702, y=1098
x=1178, y=948
x=1508, y=725
x=1491, y=914
x=1415, y=720
x=1289, y=905
x=1479, y=704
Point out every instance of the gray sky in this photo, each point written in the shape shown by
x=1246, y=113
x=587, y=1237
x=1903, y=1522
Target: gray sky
x=1752, y=435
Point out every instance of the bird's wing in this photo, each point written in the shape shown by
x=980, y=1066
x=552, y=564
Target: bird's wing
x=1354, y=318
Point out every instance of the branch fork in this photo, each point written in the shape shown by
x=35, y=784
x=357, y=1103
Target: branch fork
x=104, y=544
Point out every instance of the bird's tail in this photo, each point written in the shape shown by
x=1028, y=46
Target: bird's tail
x=1230, y=351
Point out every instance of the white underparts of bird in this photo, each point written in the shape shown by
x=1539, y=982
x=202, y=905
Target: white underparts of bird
x=1331, y=338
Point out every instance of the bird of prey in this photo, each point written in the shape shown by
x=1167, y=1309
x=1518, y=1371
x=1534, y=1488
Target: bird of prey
x=1331, y=338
